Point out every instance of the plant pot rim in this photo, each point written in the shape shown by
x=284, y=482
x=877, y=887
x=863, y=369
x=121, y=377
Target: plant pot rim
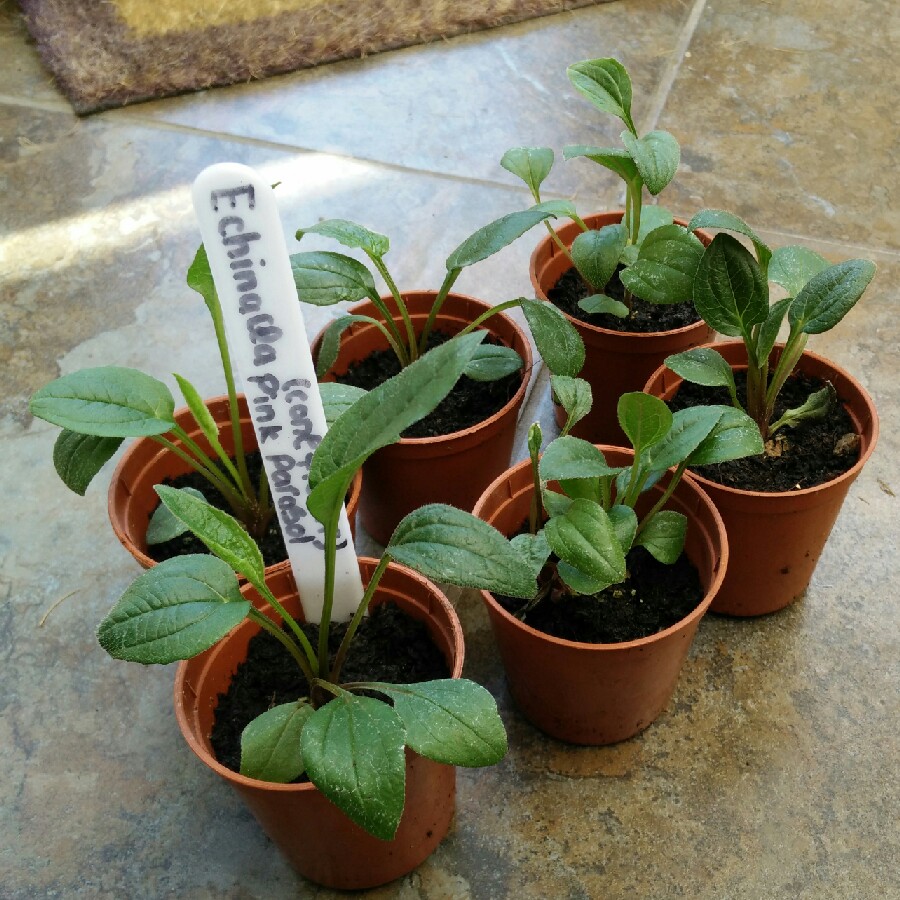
x=235, y=778
x=144, y=559
x=527, y=364
x=849, y=475
x=699, y=325
x=696, y=613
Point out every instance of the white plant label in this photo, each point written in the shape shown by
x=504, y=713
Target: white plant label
x=248, y=257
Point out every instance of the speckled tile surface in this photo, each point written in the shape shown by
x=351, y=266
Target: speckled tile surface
x=773, y=772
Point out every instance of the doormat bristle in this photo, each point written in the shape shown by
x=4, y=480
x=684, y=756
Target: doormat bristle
x=107, y=54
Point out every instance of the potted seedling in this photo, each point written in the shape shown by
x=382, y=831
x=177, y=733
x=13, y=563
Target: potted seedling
x=628, y=553
x=370, y=810
x=452, y=455
x=623, y=278
x=209, y=443
x=818, y=424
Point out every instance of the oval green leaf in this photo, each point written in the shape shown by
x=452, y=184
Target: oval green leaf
x=77, y=458
x=702, y=365
x=323, y=278
x=556, y=338
x=666, y=266
x=350, y=235
x=571, y=457
x=793, y=266
x=644, y=419
x=829, y=296
x=663, y=536
x=337, y=398
x=174, y=611
x=612, y=158
x=597, y=253
x=606, y=83
x=163, y=526
x=734, y=436
x=720, y=218
x=494, y=236
x=531, y=164
x=690, y=427
x=493, y=361
x=656, y=156
x=270, y=744
x=574, y=396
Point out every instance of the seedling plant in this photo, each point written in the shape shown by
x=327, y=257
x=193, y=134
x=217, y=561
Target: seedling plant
x=349, y=744
x=324, y=278
x=655, y=259
x=731, y=293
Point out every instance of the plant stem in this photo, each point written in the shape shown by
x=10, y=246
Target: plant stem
x=235, y=500
x=401, y=306
x=268, y=625
x=449, y=281
x=303, y=640
x=790, y=356
x=357, y=618
x=207, y=461
x=331, y=529
x=500, y=307
x=664, y=499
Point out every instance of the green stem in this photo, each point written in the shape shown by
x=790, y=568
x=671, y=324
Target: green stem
x=664, y=499
x=303, y=640
x=500, y=307
x=331, y=529
x=235, y=500
x=606, y=491
x=536, y=512
x=207, y=461
x=401, y=306
x=449, y=281
x=268, y=625
x=358, y=617
x=790, y=356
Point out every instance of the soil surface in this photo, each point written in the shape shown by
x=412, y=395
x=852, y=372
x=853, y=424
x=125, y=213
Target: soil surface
x=469, y=403
x=271, y=544
x=645, y=317
x=812, y=453
x=389, y=646
x=653, y=597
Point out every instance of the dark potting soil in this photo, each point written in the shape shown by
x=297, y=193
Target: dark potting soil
x=469, y=403
x=271, y=544
x=652, y=598
x=645, y=317
x=802, y=457
x=389, y=646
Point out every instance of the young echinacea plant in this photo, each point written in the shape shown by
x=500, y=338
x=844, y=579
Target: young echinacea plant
x=183, y=606
x=655, y=259
x=731, y=293
x=589, y=523
x=98, y=408
x=324, y=278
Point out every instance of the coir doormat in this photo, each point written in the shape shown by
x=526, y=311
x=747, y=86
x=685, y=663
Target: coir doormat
x=107, y=53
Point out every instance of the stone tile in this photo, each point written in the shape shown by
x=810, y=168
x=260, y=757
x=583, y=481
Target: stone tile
x=785, y=111
x=456, y=106
x=22, y=75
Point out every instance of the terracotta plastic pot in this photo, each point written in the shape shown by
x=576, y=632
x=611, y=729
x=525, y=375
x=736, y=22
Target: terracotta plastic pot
x=453, y=468
x=599, y=693
x=616, y=361
x=319, y=841
x=132, y=500
x=776, y=539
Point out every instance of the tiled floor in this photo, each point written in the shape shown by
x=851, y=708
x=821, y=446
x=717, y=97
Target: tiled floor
x=774, y=772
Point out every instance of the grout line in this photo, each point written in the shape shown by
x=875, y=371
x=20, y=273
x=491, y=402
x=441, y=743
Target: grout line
x=676, y=58
x=45, y=105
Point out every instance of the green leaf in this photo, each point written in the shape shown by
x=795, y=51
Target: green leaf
x=270, y=744
x=734, y=436
x=817, y=406
x=556, y=504
x=597, y=304
x=222, y=534
x=730, y=290
x=337, y=398
x=666, y=266
x=202, y=416
x=558, y=208
x=624, y=479
x=596, y=254
x=199, y=278
x=577, y=581
x=353, y=753
x=534, y=550
x=618, y=161
x=625, y=523
x=109, y=401
x=793, y=266
x=452, y=721
x=330, y=345
x=606, y=84
x=493, y=361
x=574, y=396
x=829, y=296
x=531, y=164
x=653, y=217
x=571, y=457
x=79, y=457
x=584, y=488
x=174, y=611
x=690, y=427
x=644, y=419
x=768, y=331
x=556, y=338
x=719, y=218
x=702, y=365
x=163, y=525
x=323, y=278
x=452, y=546
x=350, y=235
x=380, y=417
x=663, y=536
x=585, y=538
x=656, y=156
x=494, y=237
